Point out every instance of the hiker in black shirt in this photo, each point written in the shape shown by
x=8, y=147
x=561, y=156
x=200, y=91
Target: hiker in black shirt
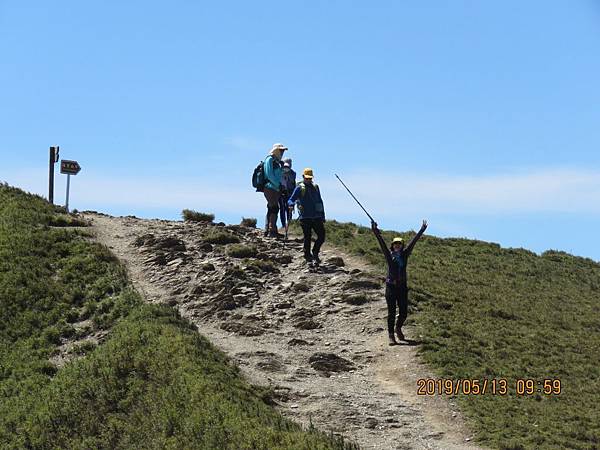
x=396, y=287
x=311, y=214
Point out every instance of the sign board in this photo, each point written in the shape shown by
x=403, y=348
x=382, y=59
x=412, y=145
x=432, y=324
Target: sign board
x=69, y=167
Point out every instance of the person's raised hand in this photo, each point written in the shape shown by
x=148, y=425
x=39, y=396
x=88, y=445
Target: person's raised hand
x=424, y=226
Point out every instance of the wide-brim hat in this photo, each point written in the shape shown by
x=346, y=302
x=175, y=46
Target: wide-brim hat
x=279, y=147
x=308, y=173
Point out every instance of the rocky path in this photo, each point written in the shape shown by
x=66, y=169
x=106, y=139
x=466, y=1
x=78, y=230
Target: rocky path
x=316, y=338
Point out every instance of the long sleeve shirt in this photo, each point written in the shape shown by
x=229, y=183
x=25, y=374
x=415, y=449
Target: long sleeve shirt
x=310, y=203
x=272, y=169
x=397, y=261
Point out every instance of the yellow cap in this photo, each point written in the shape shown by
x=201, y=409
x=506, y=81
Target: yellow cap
x=308, y=173
x=398, y=239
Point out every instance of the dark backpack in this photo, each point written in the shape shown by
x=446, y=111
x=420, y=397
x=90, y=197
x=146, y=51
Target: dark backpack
x=303, y=188
x=258, y=177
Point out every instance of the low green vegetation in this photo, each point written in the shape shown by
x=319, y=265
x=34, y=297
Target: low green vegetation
x=485, y=312
x=65, y=220
x=259, y=265
x=248, y=222
x=154, y=383
x=241, y=251
x=189, y=215
x=221, y=237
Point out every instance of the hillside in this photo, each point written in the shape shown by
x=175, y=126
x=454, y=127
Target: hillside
x=140, y=376
x=315, y=342
x=312, y=339
x=485, y=312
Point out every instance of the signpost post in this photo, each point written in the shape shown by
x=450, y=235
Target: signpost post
x=70, y=168
x=53, y=160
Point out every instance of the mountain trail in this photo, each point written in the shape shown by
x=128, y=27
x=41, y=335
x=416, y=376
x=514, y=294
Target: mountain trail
x=316, y=339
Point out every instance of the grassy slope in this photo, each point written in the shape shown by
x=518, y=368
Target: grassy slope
x=482, y=311
x=155, y=383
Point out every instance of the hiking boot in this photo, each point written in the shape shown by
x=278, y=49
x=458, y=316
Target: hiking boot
x=399, y=334
x=308, y=258
x=316, y=259
x=392, y=340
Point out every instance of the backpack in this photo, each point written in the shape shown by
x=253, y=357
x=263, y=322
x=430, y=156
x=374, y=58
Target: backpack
x=288, y=180
x=303, y=188
x=318, y=204
x=258, y=177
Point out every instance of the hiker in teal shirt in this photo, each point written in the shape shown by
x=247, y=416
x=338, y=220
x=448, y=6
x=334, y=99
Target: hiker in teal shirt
x=272, y=169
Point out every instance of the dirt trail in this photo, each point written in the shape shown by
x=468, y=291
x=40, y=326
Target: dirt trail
x=316, y=338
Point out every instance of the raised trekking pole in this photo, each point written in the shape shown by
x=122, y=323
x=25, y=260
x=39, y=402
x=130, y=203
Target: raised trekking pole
x=372, y=220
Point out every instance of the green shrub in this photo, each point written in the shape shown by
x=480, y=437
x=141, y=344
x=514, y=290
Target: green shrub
x=83, y=347
x=190, y=215
x=64, y=220
x=259, y=265
x=52, y=335
x=241, y=251
x=221, y=237
x=248, y=222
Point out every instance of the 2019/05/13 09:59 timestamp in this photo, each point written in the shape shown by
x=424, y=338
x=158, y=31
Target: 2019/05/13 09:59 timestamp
x=485, y=386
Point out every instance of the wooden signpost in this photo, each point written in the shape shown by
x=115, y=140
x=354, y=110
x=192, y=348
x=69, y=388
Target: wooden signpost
x=53, y=160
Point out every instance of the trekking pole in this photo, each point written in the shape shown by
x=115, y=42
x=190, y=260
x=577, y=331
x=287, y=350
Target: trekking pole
x=372, y=220
x=287, y=226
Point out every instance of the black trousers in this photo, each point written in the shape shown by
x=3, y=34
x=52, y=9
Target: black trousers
x=396, y=295
x=283, y=208
x=307, y=226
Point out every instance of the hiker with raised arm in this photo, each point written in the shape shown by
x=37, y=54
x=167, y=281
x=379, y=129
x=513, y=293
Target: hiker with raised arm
x=272, y=177
x=311, y=214
x=396, y=286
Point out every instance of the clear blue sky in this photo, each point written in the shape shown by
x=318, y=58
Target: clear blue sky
x=483, y=117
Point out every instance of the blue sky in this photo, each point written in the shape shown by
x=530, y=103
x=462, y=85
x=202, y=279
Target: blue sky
x=483, y=117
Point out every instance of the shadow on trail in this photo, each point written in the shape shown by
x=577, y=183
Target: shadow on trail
x=409, y=342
